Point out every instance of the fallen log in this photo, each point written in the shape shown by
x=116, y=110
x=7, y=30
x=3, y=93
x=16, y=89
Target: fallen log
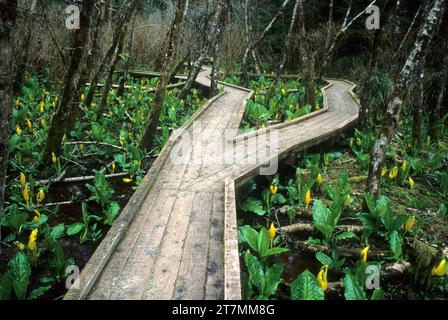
x=353, y=253
x=308, y=227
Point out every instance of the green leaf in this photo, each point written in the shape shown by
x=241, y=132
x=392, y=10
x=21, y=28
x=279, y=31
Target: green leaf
x=5, y=287
x=253, y=205
x=306, y=287
x=38, y=292
x=19, y=271
x=324, y=259
x=250, y=236
x=263, y=242
x=57, y=231
x=272, y=279
x=378, y=294
x=74, y=229
x=353, y=291
x=395, y=244
x=275, y=251
x=255, y=269
x=323, y=220
x=346, y=235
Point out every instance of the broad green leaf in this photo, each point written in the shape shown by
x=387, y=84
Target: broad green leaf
x=38, y=292
x=323, y=219
x=255, y=269
x=395, y=244
x=346, y=235
x=353, y=291
x=324, y=259
x=19, y=271
x=275, y=251
x=263, y=242
x=57, y=231
x=378, y=294
x=306, y=287
x=250, y=236
x=253, y=205
x=5, y=287
x=273, y=279
x=74, y=229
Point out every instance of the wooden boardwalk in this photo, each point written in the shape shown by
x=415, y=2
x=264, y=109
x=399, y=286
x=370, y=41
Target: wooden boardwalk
x=170, y=242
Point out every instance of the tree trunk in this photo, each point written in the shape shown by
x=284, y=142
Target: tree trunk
x=436, y=113
x=149, y=134
x=257, y=42
x=7, y=23
x=124, y=75
x=221, y=24
x=65, y=114
x=110, y=52
x=417, y=107
x=310, y=82
x=407, y=74
x=108, y=83
x=329, y=25
x=286, y=49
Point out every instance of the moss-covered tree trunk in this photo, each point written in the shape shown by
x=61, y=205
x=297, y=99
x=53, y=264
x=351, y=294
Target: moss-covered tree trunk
x=417, y=107
x=126, y=63
x=8, y=14
x=64, y=116
x=406, y=77
x=150, y=131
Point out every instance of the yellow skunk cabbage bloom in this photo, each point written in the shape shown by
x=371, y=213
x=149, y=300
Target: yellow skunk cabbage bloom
x=127, y=180
x=308, y=198
x=19, y=245
x=403, y=166
x=393, y=173
x=272, y=231
x=322, y=277
x=350, y=142
x=83, y=98
x=43, y=123
x=18, y=130
x=273, y=188
x=383, y=171
x=358, y=141
x=53, y=104
x=410, y=223
x=22, y=179
x=25, y=194
x=411, y=182
x=319, y=179
x=53, y=157
x=364, y=253
x=40, y=196
x=317, y=106
x=81, y=147
x=347, y=200
x=32, y=240
x=113, y=167
x=28, y=123
x=121, y=139
x=283, y=91
x=41, y=106
x=17, y=102
x=441, y=269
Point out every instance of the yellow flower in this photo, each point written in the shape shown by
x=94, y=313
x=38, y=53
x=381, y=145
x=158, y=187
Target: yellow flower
x=308, y=198
x=18, y=130
x=319, y=179
x=411, y=182
x=22, y=179
x=40, y=196
x=81, y=147
x=347, y=200
x=28, y=123
x=317, y=106
x=364, y=253
x=139, y=164
x=393, y=173
x=113, y=167
x=83, y=98
x=121, y=140
x=273, y=188
x=283, y=91
x=410, y=223
x=25, y=193
x=19, y=245
x=403, y=166
x=350, y=142
x=43, y=123
x=358, y=141
x=32, y=240
x=297, y=107
x=17, y=102
x=127, y=180
x=441, y=269
x=383, y=172
x=53, y=104
x=272, y=231
x=41, y=106
x=322, y=277
x=53, y=157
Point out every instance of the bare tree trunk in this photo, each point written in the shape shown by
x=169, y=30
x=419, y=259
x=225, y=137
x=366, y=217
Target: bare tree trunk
x=64, y=117
x=124, y=75
x=108, y=83
x=436, y=113
x=257, y=42
x=286, y=49
x=417, y=106
x=110, y=52
x=221, y=24
x=329, y=25
x=149, y=134
x=407, y=74
x=8, y=15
